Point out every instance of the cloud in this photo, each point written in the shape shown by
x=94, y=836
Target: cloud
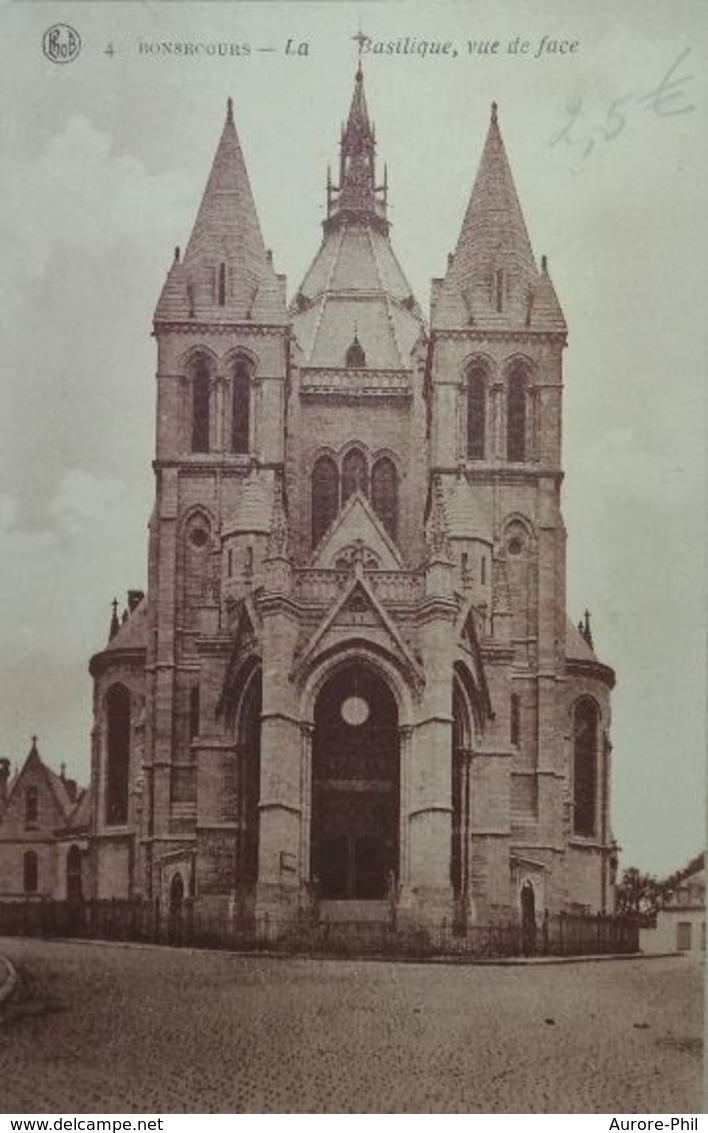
x=51, y=209
x=83, y=499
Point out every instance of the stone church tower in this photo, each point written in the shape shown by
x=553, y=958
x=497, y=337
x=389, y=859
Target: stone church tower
x=352, y=680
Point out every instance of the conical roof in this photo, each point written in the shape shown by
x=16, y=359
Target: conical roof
x=357, y=196
x=492, y=279
x=226, y=273
x=355, y=290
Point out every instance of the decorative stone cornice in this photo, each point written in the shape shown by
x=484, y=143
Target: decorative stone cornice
x=479, y=334
x=595, y=670
x=257, y=330
x=355, y=383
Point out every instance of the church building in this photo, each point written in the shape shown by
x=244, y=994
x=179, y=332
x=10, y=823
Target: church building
x=351, y=683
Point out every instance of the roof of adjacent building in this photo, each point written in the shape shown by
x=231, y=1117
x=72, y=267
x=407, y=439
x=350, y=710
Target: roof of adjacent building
x=63, y=790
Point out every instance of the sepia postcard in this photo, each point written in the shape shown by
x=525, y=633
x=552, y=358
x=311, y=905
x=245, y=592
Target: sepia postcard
x=353, y=506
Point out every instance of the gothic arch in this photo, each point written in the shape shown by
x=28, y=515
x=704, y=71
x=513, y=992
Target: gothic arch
x=370, y=654
x=249, y=679
x=519, y=377
x=476, y=383
x=586, y=736
x=189, y=517
x=472, y=699
x=193, y=354
x=355, y=472
x=518, y=534
x=385, y=493
x=117, y=709
x=176, y=894
x=324, y=495
x=241, y=408
x=200, y=371
x=355, y=831
x=239, y=354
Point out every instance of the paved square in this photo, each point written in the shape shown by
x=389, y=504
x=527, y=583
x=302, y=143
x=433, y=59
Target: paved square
x=106, y=1028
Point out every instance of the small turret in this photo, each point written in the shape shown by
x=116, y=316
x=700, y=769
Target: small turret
x=115, y=624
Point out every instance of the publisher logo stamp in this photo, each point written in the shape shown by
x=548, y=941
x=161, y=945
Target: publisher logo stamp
x=61, y=43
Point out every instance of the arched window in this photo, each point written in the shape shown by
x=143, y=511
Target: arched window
x=200, y=406
x=118, y=753
x=325, y=496
x=193, y=712
x=31, y=806
x=384, y=493
x=516, y=415
x=515, y=719
x=586, y=727
x=240, y=408
x=176, y=895
x=355, y=476
x=476, y=413
x=30, y=872
x=73, y=874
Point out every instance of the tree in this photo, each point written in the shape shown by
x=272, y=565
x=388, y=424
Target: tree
x=639, y=895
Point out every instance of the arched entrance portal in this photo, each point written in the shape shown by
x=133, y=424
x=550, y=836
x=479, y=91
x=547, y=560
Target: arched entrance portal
x=355, y=793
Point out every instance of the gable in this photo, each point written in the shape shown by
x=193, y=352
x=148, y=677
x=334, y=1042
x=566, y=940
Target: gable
x=358, y=613
x=51, y=809
x=357, y=533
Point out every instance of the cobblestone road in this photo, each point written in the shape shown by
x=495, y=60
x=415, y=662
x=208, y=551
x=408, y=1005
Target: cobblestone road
x=113, y=1029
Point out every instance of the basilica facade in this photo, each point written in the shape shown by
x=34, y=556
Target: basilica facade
x=351, y=683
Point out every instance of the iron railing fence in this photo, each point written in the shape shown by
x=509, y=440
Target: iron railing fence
x=556, y=934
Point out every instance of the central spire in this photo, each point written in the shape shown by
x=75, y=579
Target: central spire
x=357, y=198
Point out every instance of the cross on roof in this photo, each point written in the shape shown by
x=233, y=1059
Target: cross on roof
x=361, y=39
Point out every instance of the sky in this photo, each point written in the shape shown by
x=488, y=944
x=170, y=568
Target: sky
x=103, y=163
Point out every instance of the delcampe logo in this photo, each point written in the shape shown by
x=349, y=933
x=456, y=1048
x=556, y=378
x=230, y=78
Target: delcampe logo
x=61, y=43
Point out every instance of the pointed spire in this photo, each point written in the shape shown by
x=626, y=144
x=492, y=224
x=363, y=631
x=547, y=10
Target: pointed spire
x=357, y=197
x=225, y=272
x=33, y=749
x=492, y=277
x=585, y=629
